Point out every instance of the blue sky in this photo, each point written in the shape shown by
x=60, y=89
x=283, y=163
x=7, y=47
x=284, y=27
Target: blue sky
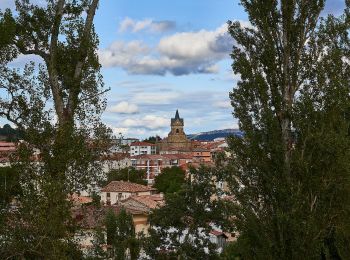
x=159, y=56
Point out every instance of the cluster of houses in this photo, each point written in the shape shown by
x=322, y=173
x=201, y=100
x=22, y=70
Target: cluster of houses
x=138, y=200
x=174, y=150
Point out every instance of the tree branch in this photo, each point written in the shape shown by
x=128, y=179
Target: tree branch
x=83, y=50
x=51, y=64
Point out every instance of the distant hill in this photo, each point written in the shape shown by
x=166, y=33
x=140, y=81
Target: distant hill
x=211, y=135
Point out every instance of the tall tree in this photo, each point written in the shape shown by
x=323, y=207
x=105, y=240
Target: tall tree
x=291, y=168
x=126, y=174
x=170, y=180
x=121, y=235
x=57, y=105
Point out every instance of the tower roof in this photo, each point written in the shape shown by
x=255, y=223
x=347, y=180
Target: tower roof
x=177, y=114
x=177, y=118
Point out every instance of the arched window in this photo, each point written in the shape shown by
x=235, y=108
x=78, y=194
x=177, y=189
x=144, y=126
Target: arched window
x=177, y=130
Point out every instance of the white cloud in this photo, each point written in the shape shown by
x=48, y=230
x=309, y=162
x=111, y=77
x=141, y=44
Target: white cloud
x=120, y=130
x=195, y=45
x=222, y=104
x=124, y=107
x=156, y=98
x=122, y=54
x=129, y=24
x=147, y=122
x=179, y=54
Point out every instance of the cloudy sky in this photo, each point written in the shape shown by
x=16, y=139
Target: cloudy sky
x=159, y=56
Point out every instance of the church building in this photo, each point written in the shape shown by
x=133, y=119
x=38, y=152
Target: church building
x=177, y=140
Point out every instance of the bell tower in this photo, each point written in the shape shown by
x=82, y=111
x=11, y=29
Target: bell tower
x=177, y=125
x=177, y=139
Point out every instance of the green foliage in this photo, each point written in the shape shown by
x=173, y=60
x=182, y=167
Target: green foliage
x=231, y=251
x=126, y=174
x=96, y=199
x=291, y=168
x=170, y=180
x=9, y=185
x=56, y=106
x=10, y=134
x=98, y=242
x=111, y=227
x=121, y=235
x=152, y=139
x=181, y=227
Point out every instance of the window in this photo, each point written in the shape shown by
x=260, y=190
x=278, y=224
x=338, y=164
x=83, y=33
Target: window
x=177, y=130
x=119, y=196
x=108, y=195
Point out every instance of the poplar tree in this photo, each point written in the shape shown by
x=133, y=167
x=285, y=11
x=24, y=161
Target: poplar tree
x=121, y=235
x=56, y=103
x=291, y=169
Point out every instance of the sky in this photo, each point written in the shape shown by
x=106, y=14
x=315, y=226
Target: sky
x=158, y=56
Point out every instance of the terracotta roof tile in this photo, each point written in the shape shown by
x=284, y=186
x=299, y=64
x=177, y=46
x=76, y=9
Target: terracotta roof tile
x=117, y=186
x=142, y=144
x=90, y=217
x=151, y=201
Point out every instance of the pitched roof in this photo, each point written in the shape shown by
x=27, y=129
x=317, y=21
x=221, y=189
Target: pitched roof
x=115, y=157
x=142, y=144
x=161, y=156
x=150, y=201
x=123, y=186
x=90, y=217
x=147, y=157
x=78, y=200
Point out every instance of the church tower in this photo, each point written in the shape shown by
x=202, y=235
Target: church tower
x=177, y=125
x=177, y=139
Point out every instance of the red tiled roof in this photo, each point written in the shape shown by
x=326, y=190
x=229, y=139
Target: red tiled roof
x=115, y=157
x=117, y=186
x=75, y=198
x=150, y=201
x=178, y=156
x=91, y=216
x=162, y=156
x=148, y=157
x=141, y=144
x=201, y=149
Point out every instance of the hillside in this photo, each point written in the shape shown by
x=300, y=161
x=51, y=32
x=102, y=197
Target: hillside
x=211, y=135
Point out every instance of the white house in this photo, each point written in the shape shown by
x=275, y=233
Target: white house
x=138, y=148
x=119, y=190
x=115, y=161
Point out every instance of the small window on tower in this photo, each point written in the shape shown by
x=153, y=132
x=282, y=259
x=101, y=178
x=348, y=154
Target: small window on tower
x=177, y=131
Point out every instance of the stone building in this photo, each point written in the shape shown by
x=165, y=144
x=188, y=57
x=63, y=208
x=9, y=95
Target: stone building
x=177, y=139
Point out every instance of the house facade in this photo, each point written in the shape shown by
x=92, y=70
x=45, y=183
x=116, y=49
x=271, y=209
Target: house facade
x=116, y=191
x=154, y=164
x=140, y=148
